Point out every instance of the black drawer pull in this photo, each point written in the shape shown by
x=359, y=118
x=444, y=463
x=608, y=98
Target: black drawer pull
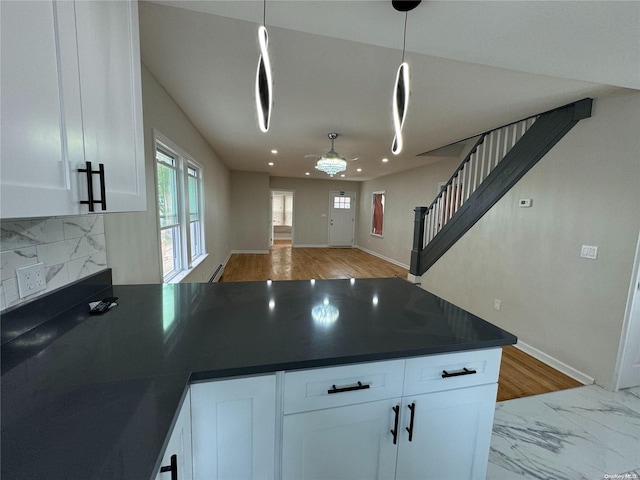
x=173, y=468
x=360, y=386
x=394, y=432
x=464, y=371
x=409, y=429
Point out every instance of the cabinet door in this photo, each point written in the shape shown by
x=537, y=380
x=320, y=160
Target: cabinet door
x=180, y=445
x=233, y=428
x=111, y=95
x=451, y=434
x=41, y=130
x=350, y=442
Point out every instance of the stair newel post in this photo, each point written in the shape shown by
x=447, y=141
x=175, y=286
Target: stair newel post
x=418, y=239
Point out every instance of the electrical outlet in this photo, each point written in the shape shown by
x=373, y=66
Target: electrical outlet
x=31, y=279
x=497, y=303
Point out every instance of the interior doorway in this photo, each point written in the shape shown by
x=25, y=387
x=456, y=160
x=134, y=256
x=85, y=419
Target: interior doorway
x=281, y=217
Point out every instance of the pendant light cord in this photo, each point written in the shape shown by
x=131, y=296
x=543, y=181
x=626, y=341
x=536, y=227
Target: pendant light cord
x=264, y=13
x=404, y=41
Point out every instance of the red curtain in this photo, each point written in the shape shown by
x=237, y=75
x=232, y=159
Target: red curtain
x=377, y=213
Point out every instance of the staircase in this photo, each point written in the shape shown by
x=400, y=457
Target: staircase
x=497, y=161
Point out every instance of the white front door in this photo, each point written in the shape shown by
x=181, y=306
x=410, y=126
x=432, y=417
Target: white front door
x=342, y=208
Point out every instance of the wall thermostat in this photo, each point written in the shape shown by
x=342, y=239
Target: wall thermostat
x=525, y=202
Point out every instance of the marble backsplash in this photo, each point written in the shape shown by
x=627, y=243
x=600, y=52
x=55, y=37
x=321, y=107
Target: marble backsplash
x=71, y=248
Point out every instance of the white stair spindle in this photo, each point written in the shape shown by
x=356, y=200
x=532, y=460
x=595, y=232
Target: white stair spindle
x=456, y=193
x=497, y=157
x=475, y=170
x=463, y=178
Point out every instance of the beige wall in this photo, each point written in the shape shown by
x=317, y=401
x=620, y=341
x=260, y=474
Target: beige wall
x=586, y=190
x=132, y=238
x=311, y=206
x=403, y=192
x=250, y=211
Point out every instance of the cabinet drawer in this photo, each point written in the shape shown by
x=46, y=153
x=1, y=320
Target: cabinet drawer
x=306, y=390
x=445, y=372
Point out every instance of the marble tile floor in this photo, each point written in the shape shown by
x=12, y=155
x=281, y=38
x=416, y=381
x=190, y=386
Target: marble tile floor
x=584, y=433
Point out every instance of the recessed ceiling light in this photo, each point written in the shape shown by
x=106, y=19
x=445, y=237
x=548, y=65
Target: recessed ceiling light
x=271, y=164
x=342, y=175
x=385, y=160
x=358, y=169
x=307, y=173
x=274, y=151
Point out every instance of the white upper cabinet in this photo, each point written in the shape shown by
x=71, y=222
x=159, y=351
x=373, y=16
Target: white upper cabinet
x=110, y=89
x=71, y=93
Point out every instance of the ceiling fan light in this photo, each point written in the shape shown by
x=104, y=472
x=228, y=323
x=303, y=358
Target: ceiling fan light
x=331, y=165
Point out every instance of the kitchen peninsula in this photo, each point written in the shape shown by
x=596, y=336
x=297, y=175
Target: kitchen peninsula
x=96, y=397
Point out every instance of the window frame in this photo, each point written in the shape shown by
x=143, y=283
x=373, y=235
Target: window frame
x=184, y=260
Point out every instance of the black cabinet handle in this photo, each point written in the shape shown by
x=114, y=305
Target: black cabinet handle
x=409, y=429
x=103, y=194
x=359, y=386
x=464, y=371
x=173, y=467
x=394, y=432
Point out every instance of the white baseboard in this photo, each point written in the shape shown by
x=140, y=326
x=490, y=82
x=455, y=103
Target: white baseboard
x=555, y=363
x=309, y=246
x=376, y=254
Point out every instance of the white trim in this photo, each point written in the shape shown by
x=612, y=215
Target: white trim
x=626, y=324
x=415, y=279
x=183, y=274
x=555, y=363
x=316, y=246
x=390, y=260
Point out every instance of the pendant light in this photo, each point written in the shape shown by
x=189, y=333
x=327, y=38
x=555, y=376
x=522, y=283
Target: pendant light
x=400, y=98
x=264, y=80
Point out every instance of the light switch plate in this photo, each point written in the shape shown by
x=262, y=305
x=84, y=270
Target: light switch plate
x=589, y=251
x=31, y=279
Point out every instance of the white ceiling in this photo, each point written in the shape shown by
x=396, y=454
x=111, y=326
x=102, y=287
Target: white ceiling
x=475, y=65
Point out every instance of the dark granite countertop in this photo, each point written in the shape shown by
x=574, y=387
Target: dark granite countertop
x=94, y=397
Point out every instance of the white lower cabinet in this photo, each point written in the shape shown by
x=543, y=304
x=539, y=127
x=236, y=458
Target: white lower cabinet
x=233, y=429
x=442, y=428
x=176, y=461
x=450, y=436
x=416, y=419
x=349, y=442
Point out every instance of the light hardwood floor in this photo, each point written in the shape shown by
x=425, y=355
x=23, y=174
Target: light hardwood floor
x=520, y=374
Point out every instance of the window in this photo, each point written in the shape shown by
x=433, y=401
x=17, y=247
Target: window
x=342, y=202
x=282, y=209
x=179, y=186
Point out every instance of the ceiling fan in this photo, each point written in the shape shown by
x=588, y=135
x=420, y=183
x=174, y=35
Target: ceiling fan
x=331, y=162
